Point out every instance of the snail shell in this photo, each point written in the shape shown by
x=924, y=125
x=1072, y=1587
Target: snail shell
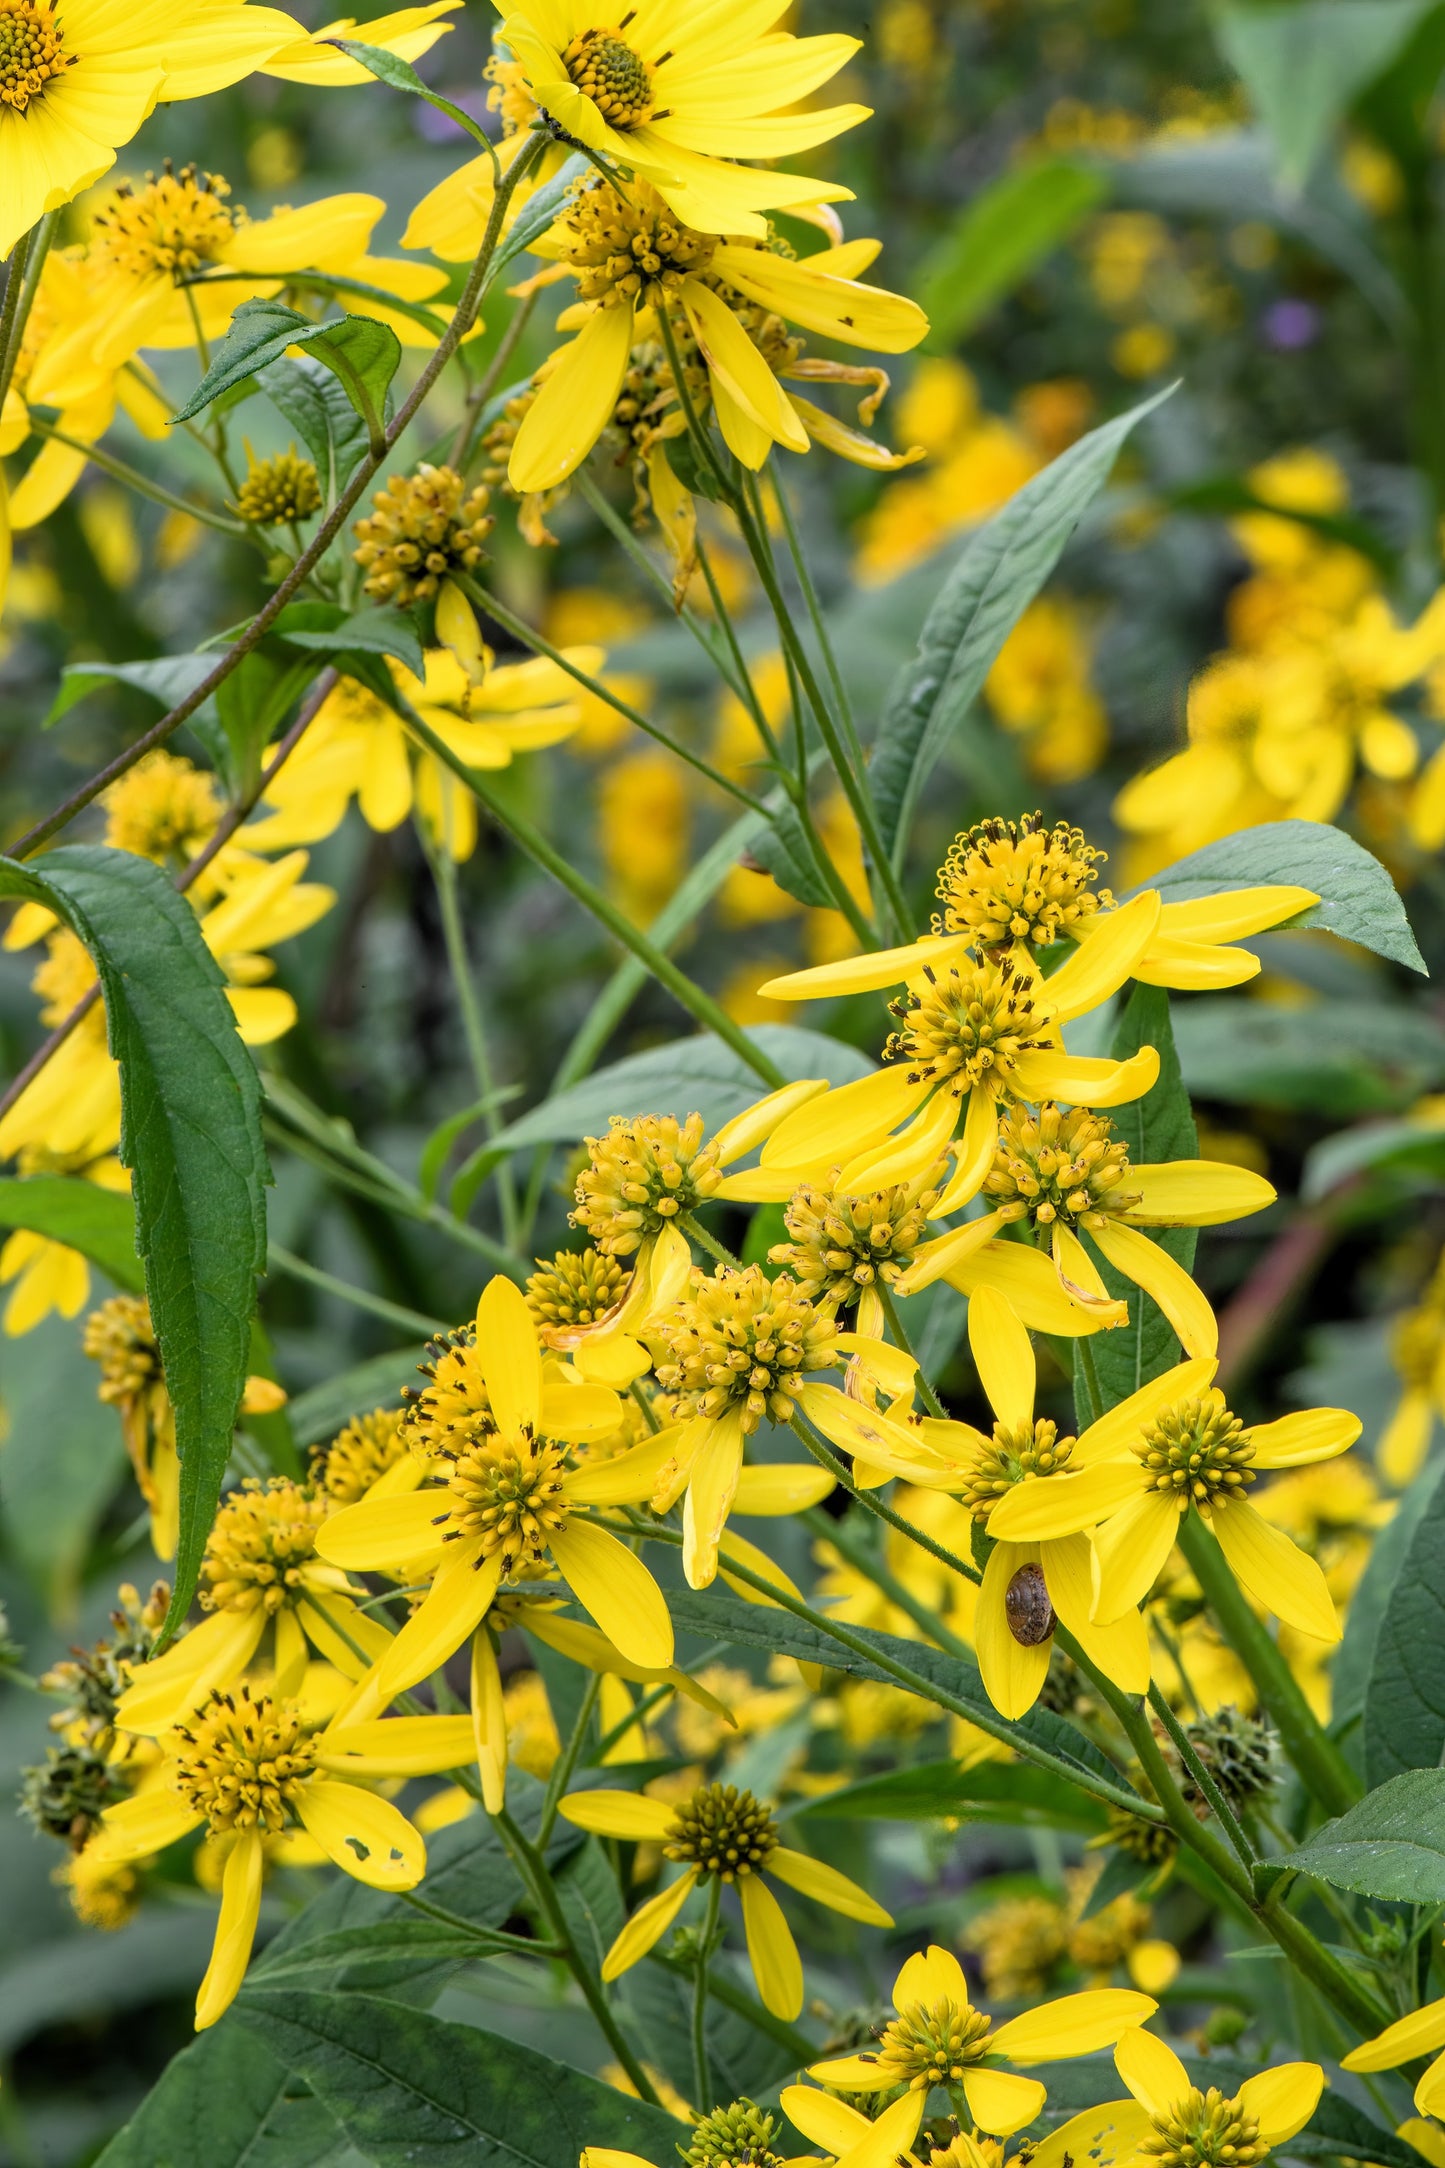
x=1027, y=1608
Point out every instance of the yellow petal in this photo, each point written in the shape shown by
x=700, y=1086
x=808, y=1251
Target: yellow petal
x=573, y=404
x=945, y=1253
x=1193, y=966
x=628, y=1479
x=1031, y=1284
x=772, y=1952
x=648, y=1924
x=637, y=1820
x=826, y=1886
x=170, y=1686
x=742, y=1553
x=614, y=1585
x=1275, y=1571
x=1162, y=1276
x=843, y=1122
x=1100, y=965
x=510, y=1356
x=368, y=1836
x=1153, y=1965
x=1106, y=2137
x=235, y=1929
x=999, y=2102
x=1430, y=2092
x=710, y=1493
x=1078, y=1080
x=904, y=1157
x=579, y=1412
x=1283, y=2099
x=397, y=1746
x=781, y=1488
x=1079, y=1276
x=866, y=974
x=1074, y=2025
x=1400, y=1454
x=1013, y=1674
x=450, y=1612
x=1234, y=913
x=1152, y=2071
x=1195, y=1193
x=931, y=1976
x=737, y=365
x=489, y=1722
x=1065, y=1504
x=1004, y=1358
x=974, y=1155
x=146, y=1823
x=1114, y=1432
x=1421, y=2033
x=1120, y=1650
x=888, y=2140
x=377, y=1535
x=1130, y=1553
x=837, y=308
x=746, y=1131
x=1296, y=1440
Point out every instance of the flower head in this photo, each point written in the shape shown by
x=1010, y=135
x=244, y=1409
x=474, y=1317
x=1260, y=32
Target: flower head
x=421, y=529
x=577, y=1288
x=642, y=1176
x=739, y=1345
x=1018, y=881
x=279, y=491
x=842, y=1247
x=164, y=809
x=1182, y=2127
x=364, y=1450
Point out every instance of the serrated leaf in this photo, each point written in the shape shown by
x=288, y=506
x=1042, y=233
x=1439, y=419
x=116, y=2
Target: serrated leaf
x=1341, y=1058
x=167, y=678
x=1405, y=1698
x=191, y=1135
x=1156, y=1128
x=98, y=1222
x=727, y=1619
x=988, y=1792
x=994, y=579
x=1304, y=65
x=1000, y=236
x=1358, y=899
x=361, y=352
x=410, y=2089
x=1390, y=1845
x=313, y=401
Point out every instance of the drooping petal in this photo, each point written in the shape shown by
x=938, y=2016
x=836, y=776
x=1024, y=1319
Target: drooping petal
x=1130, y=1553
x=1030, y=1282
x=1151, y=2070
x=904, y=1157
x=837, y=308
x=451, y=1609
x=1421, y=2033
x=1004, y=1358
x=648, y=1924
x=746, y=1131
x=1275, y=1571
x=489, y=1722
x=614, y=1585
x=780, y=1488
x=826, y=1886
x=1283, y=2099
x=739, y=367
x=509, y=1355
x=1074, y=2025
x=831, y=2124
x=235, y=1929
x=710, y=1494
x=1106, y=2137
x=1194, y=1193
x=211, y=1654
x=1000, y=2102
x=945, y=1253
x=867, y=974
x=1066, y=1504
x=1310, y=1435
x=974, y=1154
x=573, y=404
x=147, y=1822
x=396, y=1746
x=772, y=1952
x=367, y=1835
x=628, y=1479
x=1151, y=1267
x=1080, y=1080
x=1234, y=913
x=887, y=2141
x=1120, y=1651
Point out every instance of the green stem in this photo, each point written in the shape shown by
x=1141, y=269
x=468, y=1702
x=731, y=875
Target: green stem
x=698, y=1005
x=926, y=1393
x=360, y=1298
x=1224, y=1814
x=495, y=1939
x=535, y=1872
x=819, y=623
x=718, y=1251
x=1089, y=1374
x=27, y=261
x=752, y=699
x=144, y=486
x=520, y=630
x=898, y=1592
x=566, y=1762
x=872, y=1503
x=735, y=1998
x=444, y=875
x=487, y=383
x=701, y=2074
x=1313, y=1753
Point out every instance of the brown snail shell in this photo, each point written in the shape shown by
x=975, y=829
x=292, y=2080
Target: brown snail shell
x=1027, y=1608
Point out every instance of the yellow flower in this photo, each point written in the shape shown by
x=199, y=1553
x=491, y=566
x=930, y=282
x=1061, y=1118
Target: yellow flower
x=721, y=1835
x=313, y=60
x=1173, y=1449
x=1421, y=2033
x=1039, y=689
x=1065, y=1176
x=260, y=1570
x=73, y=87
x=249, y=1765
x=727, y=299
x=48, y=1275
x=676, y=93
x=1177, y=2123
x=504, y=1498
x=939, y=2038
x=1417, y=1349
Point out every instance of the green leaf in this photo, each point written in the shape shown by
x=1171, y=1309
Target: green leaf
x=361, y=352
x=317, y=1415
x=191, y=1135
x=63, y=1461
x=1341, y=1058
x=401, y=75
x=782, y=850
x=410, y=2089
x=1158, y=1127
x=745, y=2061
x=167, y=678
x=1390, y=1845
x=315, y=404
x=327, y=630
x=994, y=579
x=541, y=210
x=1002, y=234
x=756, y=1626
x=98, y=1222
x=1355, y=1657
x=700, y=1075
x=1358, y=899
x=1305, y=64
x=988, y=1792
x=1405, y=1698
x=255, y=700
x=1406, y=1147
x=591, y=1901
x=223, y=2102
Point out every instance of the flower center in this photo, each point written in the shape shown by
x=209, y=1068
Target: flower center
x=1059, y=1164
x=579, y=1287
x=631, y=248
x=843, y=1244
x=263, y=1540
x=279, y=490
x=1198, y=1451
x=164, y=810
x=737, y=2137
x=507, y=1498
x=1205, y=2130
x=421, y=527
x=170, y=226
x=1026, y=1607
x=454, y=1401
x=1019, y=881
x=967, y=1025
x=370, y=1444
x=722, y=1831
x=743, y=1341
x=31, y=52
x=641, y=1175
x=244, y=1761
x=605, y=69
x=119, y=1336
x=926, y=2046
x=1013, y=1454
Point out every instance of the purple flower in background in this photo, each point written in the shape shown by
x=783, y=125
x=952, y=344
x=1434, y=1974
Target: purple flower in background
x=435, y=127
x=1289, y=325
